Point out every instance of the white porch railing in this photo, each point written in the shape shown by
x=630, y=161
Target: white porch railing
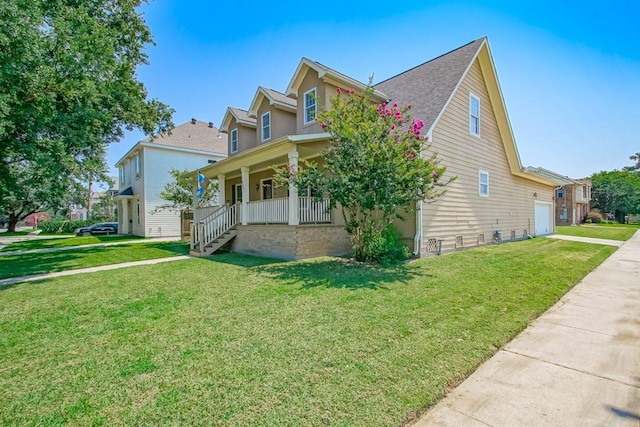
x=213, y=226
x=270, y=211
x=314, y=211
x=276, y=211
x=201, y=213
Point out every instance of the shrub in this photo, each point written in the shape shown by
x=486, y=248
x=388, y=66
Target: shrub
x=61, y=227
x=594, y=217
x=386, y=247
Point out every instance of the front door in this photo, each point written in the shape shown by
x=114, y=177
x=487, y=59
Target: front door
x=267, y=189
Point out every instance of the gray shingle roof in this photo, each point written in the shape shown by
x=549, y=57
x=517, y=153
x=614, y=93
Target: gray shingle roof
x=552, y=176
x=429, y=86
x=280, y=97
x=198, y=136
x=242, y=115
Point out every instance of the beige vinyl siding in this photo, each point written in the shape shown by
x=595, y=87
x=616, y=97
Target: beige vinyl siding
x=156, y=175
x=462, y=211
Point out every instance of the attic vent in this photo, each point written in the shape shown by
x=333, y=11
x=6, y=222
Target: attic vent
x=211, y=124
x=193, y=121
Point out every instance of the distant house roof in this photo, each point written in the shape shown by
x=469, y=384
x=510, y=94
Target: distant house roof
x=195, y=135
x=435, y=81
x=554, y=176
x=279, y=100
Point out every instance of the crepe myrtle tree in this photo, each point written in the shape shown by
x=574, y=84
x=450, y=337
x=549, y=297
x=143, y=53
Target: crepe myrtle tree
x=377, y=166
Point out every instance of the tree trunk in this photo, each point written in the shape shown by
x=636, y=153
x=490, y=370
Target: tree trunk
x=11, y=227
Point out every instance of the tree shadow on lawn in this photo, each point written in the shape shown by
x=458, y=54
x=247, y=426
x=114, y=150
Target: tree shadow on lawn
x=63, y=260
x=341, y=273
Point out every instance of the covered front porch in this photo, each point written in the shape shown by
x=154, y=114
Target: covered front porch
x=262, y=219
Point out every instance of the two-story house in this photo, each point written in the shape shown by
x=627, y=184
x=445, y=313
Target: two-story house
x=143, y=173
x=572, y=196
x=458, y=97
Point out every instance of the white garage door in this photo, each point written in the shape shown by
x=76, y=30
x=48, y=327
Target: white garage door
x=543, y=218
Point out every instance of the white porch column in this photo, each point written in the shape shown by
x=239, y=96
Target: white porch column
x=294, y=211
x=221, y=192
x=245, y=195
x=125, y=216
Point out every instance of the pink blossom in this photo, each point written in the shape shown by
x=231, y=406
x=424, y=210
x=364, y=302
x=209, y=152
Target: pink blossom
x=322, y=125
x=395, y=105
x=434, y=175
x=339, y=91
x=411, y=155
x=409, y=107
x=393, y=127
x=387, y=112
x=351, y=91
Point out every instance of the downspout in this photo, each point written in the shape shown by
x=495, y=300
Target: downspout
x=417, y=240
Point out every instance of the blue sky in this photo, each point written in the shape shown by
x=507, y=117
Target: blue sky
x=569, y=70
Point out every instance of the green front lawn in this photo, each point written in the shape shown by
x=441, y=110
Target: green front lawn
x=612, y=233
x=236, y=340
x=48, y=262
x=26, y=245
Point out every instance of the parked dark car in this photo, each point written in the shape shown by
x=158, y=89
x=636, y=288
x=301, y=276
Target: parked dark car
x=98, y=228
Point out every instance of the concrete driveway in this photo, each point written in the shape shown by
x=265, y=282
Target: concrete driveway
x=576, y=365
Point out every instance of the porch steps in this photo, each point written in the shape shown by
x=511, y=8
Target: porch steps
x=216, y=244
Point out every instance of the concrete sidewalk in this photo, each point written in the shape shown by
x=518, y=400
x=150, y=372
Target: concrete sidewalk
x=12, y=280
x=595, y=240
x=576, y=365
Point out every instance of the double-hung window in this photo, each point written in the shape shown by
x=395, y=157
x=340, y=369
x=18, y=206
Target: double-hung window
x=310, y=106
x=137, y=161
x=121, y=174
x=266, y=126
x=474, y=115
x=483, y=183
x=234, y=140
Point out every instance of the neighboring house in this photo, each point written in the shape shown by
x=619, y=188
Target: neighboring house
x=458, y=97
x=572, y=196
x=79, y=212
x=144, y=172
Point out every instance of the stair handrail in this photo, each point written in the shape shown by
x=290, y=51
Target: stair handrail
x=215, y=225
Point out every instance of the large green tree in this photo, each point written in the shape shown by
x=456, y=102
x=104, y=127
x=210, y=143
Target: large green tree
x=377, y=166
x=68, y=88
x=617, y=192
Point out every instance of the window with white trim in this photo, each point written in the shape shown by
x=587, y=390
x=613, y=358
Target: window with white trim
x=137, y=165
x=310, y=106
x=234, y=140
x=483, y=183
x=474, y=115
x=266, y=126
x=121, y=174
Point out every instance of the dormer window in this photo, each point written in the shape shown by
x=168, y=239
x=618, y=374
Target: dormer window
x=310, y=106
x=266, y=126
x=234, y=140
